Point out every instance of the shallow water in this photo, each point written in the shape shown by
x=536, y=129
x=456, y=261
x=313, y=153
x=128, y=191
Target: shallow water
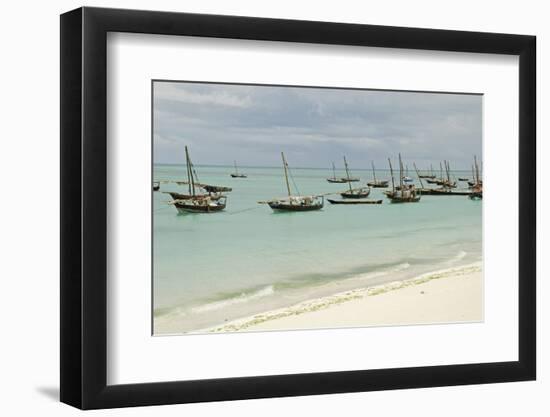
x=212, y=268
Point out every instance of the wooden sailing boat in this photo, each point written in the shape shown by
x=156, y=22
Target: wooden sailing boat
x=477, y=188
x=214, y=191
x=156, y=185
x=236, y=174
x=430, y=176
x=444, y=181
x=476, y=178
x=440, y=180
x=439, y=191
x=362, y=192
x=407, y=193
x=295, y=203
x=335, y=180
x=194, y=202
x=473, y=181
x=354, y=201
x=377, y=183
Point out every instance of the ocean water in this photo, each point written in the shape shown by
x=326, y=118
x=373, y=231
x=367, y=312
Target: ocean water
x=212, y=268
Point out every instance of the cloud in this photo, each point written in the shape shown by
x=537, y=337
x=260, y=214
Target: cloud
x=253, y=124
x=175, y=92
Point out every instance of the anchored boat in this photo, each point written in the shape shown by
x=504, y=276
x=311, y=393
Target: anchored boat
x=354, y=201
x=236, y=174
x=335, y=180
x=477, y=188
x=377, y=183
x=429, y=176
x=362, y=192
x=195, y=202
x=295, y=202
x=407, y=193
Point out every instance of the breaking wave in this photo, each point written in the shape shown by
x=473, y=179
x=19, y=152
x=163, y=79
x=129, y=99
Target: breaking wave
x=240, y=299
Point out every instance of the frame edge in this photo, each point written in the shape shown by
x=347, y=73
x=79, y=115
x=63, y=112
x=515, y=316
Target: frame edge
x=71, y=207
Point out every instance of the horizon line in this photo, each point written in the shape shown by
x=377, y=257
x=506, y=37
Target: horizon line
x=297, y=167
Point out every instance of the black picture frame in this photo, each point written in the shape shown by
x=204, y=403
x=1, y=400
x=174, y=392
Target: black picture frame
x=84, y=207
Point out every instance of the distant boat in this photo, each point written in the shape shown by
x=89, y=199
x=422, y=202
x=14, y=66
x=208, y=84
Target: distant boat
x=156, y=186
x=354, y=201
x=474, y=180
x=295, y=203
x=195, y=202
x=335, y=180
x=477, y=188
x=444, y=181
x=463, y=179
x=362, y=192
x=430, y=176
x=376, y=183
x=406, y=193
x=236, y=174
x=436, y=191
x=444, y=191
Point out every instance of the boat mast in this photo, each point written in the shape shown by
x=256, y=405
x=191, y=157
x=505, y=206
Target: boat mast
x=392, y=181
x=333, y=171
x=440, y=171
x=373, y=173
x=418, y=175
x=189, y=174
x=285, y=165
x=347, y=173
x=401, y=175
x=431, y=170
x=477, y=170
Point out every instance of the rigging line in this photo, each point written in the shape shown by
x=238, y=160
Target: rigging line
x=293, y=182
x=195, y=173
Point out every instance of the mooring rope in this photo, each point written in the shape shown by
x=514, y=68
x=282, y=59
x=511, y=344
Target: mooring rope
x=244, y=210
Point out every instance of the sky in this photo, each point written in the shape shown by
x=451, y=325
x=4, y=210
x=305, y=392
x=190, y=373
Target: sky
x=221, y=123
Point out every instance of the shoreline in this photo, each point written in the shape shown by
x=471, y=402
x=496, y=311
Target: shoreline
x=450, y=295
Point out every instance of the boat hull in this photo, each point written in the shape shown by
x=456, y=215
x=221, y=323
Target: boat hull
x=359, y=193
x=191, y=208
x=399, y=200
x=351, y=202
x=378, y=184
x=179, y=196
x=200, y=205
x=295, y=207
x=237, y=175
x=428, y=191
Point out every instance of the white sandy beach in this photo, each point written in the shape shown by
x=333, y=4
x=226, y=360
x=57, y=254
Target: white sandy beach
x=453, y=295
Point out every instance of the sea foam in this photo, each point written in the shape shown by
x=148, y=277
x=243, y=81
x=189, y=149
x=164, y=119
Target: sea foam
x=240, y=299
x=326, y=302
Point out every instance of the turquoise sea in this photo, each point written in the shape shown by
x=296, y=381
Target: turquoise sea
x=213, y=268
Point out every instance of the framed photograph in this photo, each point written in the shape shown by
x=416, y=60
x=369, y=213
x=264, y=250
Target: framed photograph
x=258, y=208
